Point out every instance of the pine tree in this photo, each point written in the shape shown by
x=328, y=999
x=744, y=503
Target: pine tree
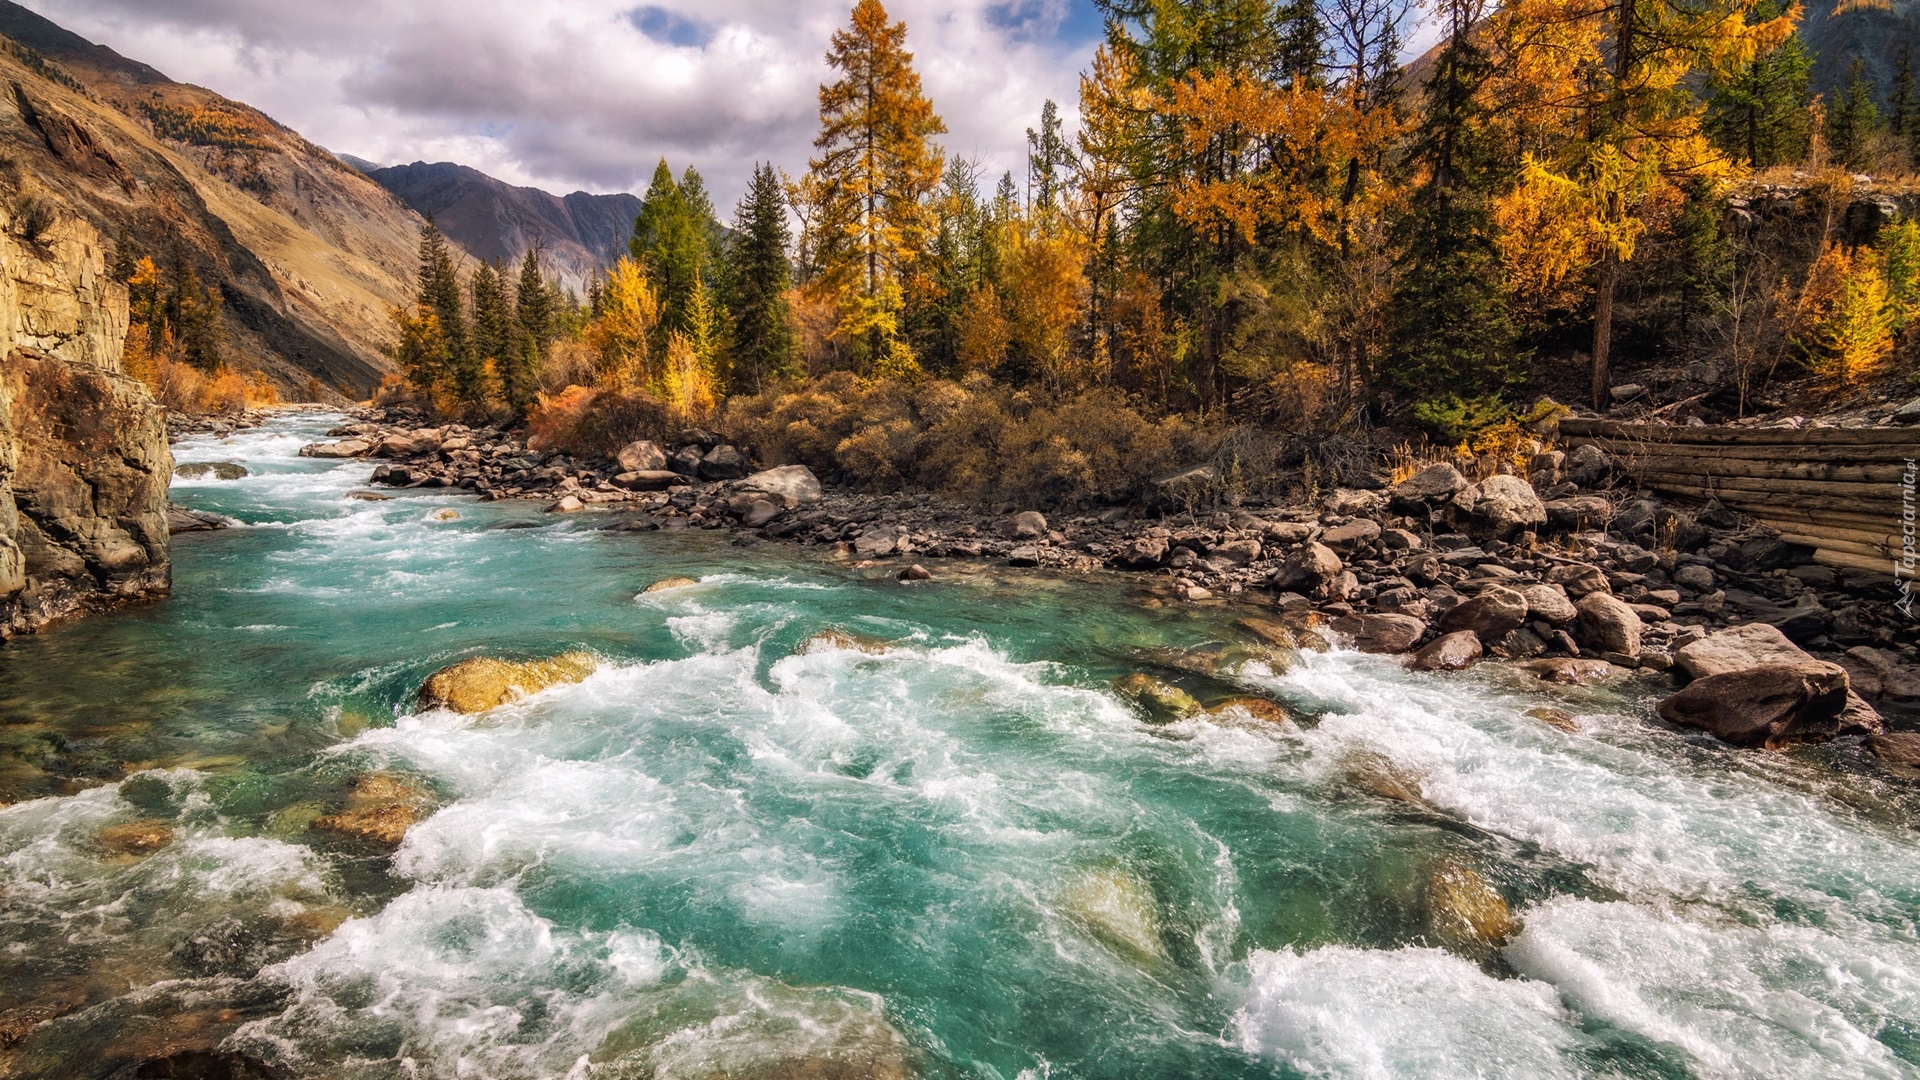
x=1854, y=120
x=534, y=302
x=759, y=273
x=440, y=360
x=1759, y=114
x=877, y=165
x=1303, y=44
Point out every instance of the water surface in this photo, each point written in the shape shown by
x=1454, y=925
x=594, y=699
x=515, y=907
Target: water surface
x=964, y=856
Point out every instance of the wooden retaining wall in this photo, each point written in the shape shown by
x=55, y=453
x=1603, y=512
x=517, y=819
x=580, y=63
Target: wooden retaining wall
x=1836, y=490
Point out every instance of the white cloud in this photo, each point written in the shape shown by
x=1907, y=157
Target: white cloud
x=588, y=93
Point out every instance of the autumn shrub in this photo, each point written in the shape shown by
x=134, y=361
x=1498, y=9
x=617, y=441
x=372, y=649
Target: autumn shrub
x=590, y=423
x=1843, y=324
x=975, y=439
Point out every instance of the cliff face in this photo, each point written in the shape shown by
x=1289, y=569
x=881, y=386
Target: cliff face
x=84, y=462
x=308, y=255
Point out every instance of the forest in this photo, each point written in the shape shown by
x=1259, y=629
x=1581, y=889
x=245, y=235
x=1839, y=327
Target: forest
x=1262, y=218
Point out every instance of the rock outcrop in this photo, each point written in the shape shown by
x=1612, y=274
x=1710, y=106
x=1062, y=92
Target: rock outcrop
x=84, y=462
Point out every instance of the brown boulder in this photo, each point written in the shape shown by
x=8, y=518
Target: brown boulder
x=1390, y=634
x=1492, y=615
x=482, y=683
x=1772, y=704
x=1902, y=748
x=1450, y=652
x=380, y=810
x=1567, y=671
x=642, y=455
x=1608, y=624
x=1549, y=602
x=1307, y=568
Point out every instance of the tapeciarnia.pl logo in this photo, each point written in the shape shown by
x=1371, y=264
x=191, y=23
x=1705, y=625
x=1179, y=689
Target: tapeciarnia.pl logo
x=1903, y=566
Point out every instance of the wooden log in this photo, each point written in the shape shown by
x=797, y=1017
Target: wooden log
x=1893, y=454
x=1824, y=471
x=1825, y=544
x=1840, y=533
x=1748, y=501
x=1710, y=436
x=1854, y=562
x=1827, y=489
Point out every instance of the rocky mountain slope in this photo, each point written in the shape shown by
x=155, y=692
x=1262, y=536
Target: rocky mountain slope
x=84, y=462
x=578, y=234
x=307, y=253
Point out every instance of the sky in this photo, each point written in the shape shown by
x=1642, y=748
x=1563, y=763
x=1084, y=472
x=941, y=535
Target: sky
x=590, y=94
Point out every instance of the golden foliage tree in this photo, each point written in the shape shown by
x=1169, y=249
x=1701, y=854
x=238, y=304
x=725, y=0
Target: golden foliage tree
x=630, y=309
x=1843, y=321
x=877, y=165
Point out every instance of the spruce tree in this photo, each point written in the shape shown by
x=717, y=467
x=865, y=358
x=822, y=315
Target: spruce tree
x=440, y=294
x=534, y=306
x=675, y=238
x=1854, y=120
x=1760, y=113
x=1049, y=157
x=495, y=341
x=759, y=272
x=1454, y=339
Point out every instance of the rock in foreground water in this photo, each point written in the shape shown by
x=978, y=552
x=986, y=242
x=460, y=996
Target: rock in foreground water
x=1766, y=705
x=484, y=682
x=380, y=810
x=1116, y=907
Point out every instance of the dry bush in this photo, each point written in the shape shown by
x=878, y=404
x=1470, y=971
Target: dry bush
x=975, y=439
x=185, y=389
x=589, y=423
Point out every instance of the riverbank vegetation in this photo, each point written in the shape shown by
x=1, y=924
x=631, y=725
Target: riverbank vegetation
x=1263, y=221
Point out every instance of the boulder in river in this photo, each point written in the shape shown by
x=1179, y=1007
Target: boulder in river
x=380, y=810
x=1770, y=704
x=485, y=682
x=1254, y=708
x=569, y=504
x=1307, y=568
x=1754, y=646
x=1449, y=652
x=1567, y=670
x=1465, y=910
x=345, y=448
x=1118, y=909
x=180, y=519
x=143, y=837
x=1902, y=748
x=834, y=638
x=1162, y=701
x=215, y=470
x=1389, y=634
x=666, y=583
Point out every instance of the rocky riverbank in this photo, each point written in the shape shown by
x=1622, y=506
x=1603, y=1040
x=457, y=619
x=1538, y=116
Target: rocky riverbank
x=1567, y=572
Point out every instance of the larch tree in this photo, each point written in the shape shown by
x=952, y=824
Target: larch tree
x=877, y=165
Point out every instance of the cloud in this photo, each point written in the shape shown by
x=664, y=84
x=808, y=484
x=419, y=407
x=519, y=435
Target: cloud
x=591, y=93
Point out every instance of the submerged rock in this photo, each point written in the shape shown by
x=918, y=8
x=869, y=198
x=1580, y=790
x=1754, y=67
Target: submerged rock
x=380, y=810
x=1162, y=701
x=1255, y=708
x=1555, y=718
x=1567, y=670
x=1896, y=749
x=1465, y=909
x=218, y=470
x=1117, y=908
x=182, y=520
x=143, y=837
x=444, y=515
x=484, y=682
x=1376, y=774
x=833, y=638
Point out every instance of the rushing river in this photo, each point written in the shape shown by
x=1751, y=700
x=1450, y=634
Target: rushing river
x=722, y=855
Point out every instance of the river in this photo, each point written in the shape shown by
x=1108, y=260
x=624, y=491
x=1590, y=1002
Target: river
x=726, y=855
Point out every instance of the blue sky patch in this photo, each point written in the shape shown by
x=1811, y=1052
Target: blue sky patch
x=1068, y=21
x=670, y=27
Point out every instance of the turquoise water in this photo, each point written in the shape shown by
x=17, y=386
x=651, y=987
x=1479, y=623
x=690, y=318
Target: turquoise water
x=964, y=856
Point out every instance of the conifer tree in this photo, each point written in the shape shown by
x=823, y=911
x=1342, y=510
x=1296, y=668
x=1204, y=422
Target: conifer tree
x=1049, y=158
x=495, y=336
x=877, y=165
x=1854, y=120
x=1454, y=334
x=1900, y=102
x=437, y=359
x=759, y=273
x=535, y=306
x=675, y=239
x=1759, y=113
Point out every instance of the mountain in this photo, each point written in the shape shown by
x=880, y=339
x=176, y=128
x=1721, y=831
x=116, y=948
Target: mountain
x=1836, y=31
x=308, y=254
x=579, y=235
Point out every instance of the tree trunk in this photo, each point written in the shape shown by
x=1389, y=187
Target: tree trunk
x=1603, y=326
